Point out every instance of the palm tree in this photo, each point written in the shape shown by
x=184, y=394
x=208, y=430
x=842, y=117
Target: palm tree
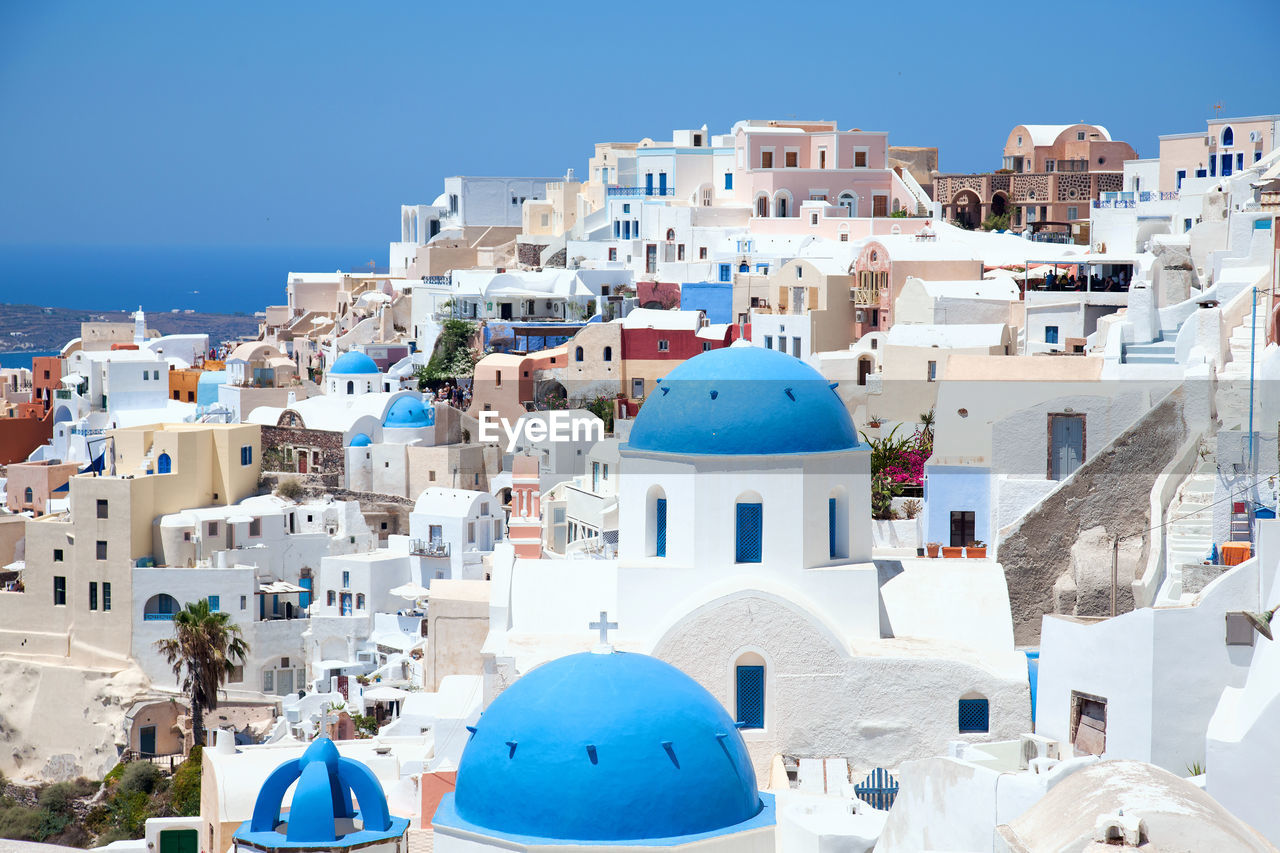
x=205, y=650
x=928, y=420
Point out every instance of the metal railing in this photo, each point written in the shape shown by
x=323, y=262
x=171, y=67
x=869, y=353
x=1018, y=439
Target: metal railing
x=640, y=192
x=441, y=280
x=1117, y=204
x=62, y=394
x=157, y=617
x=1157, y=196
x=429, y=548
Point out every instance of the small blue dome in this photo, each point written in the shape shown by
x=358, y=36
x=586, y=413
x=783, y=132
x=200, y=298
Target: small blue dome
x=354, y=362
x=408, y=412
x=605, y=747
x=743, y=400
x=322, y=812
x=360, y=440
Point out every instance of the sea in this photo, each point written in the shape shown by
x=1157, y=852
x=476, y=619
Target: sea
x=212, y=279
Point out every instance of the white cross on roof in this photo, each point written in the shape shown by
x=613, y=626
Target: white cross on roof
x=604, y=626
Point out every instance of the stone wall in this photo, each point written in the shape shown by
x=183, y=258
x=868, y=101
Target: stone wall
x=332, y=458
x=1057, y=558
x=529, y=254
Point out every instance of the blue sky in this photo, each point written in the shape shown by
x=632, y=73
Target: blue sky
x=288, y=123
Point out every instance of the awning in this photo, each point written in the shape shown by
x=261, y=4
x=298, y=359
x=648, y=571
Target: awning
x=337, y=664
x=386, y=694
x=280, y=588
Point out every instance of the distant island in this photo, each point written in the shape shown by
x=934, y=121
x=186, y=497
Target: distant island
x=35, y=328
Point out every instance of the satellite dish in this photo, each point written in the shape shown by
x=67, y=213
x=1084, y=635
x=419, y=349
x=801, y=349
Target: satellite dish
x=1261, y=622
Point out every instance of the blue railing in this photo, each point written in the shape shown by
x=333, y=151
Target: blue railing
x=157, y=617
x=1118, y=204
x=439, y=280
x=639, y=192
x=79, y=430
x=1157, y=196
x=878, y=790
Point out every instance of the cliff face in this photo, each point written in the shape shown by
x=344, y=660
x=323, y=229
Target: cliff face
x=59, y=722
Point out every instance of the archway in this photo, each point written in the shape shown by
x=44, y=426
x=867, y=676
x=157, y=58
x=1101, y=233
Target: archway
x=999, y=204
x=849, y=201
x=967, y=209
x=164, y=465
x=782, y=203
x=160, y=607
x=762, y=205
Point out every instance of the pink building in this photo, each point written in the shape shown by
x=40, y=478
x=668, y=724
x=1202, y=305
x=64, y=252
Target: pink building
x=779, y=165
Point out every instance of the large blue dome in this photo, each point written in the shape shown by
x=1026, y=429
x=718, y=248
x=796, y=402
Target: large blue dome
x=353, y=362
x=407, y=413
x=605, y=747
x=743, y=400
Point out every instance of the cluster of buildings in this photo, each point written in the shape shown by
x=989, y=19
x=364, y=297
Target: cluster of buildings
x=765, y=490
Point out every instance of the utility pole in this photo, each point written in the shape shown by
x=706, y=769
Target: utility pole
x=1115, y=571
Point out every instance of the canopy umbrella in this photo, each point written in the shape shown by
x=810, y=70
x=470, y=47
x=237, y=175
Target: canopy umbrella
x=411, y=590
x=386, y=694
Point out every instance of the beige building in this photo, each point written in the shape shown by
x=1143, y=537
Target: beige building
x=77, y=582
x=1227, y=146
x=554, y=215
x=457, y=623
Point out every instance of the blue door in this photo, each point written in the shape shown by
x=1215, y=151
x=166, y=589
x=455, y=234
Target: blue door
x=346, y=604
x=147, y=740
x=648, y=184
x=215, y=602
x=1067, y=452
x=751, y=697
x=304, y=599
x=164, y=464
x=831, y=528
x=662, y=183
x=660, y=531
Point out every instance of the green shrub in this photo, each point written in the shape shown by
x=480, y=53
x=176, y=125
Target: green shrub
x=20, y=823
x=185, y=786
x=140, y=777
x=290, y=489
x=113, y=775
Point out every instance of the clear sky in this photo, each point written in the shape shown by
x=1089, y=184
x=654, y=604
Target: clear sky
x=301, y=123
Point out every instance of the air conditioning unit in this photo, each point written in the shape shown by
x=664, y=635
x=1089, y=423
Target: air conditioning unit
x=1255, y=136
x=1208, y=140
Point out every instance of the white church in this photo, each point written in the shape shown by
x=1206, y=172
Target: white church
x=745, y=560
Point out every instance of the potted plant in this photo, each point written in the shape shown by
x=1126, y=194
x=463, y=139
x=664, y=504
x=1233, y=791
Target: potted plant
x=976, y=550
x=873, y=421
x=952, y=552
x=932, y=548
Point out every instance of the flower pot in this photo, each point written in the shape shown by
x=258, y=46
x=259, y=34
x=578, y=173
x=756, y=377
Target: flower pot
x=919, y=552
x=932, y=549
x=952, y=551
x=975, y=552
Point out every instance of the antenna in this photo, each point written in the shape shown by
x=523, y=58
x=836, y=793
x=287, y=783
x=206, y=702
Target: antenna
x=1217, y=109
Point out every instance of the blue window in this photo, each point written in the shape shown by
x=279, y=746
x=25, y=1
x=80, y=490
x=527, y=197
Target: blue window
x=626, y=230
x=1228, y=137
x=1213, y=166
x=164, y=465
x=726, y=272
x=1182, y=175
x=1186, y=225
x=1226, y=165
x=751, y=697
x=346, y=580
x=1200, y=173
x=1050, y=334
x=660, y=532
x=246, y=455
x=728, y=180
x=1240, y=161
x=215, y=602
x=749, y=529
x=831, y=527
x=974, y=715
x=648, y=184
x=617, y=229
x=626, y=208
x=762, y=269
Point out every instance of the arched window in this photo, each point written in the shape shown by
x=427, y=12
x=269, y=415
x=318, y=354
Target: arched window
x=1228, y=137
x=782, y=203
x=748, y=683
x=762, y=205
x=749, y=529
x=164, y=465
x=351, y=387
x=577, y=354
x=744, y=267
x=671, y=235
x=160, y=607
x=838, y=524
x=974, y=713
x=359, y=601
x=608, y=353
x=656, y=526
x=849, y=202
x=330, y=598
x=28, y=496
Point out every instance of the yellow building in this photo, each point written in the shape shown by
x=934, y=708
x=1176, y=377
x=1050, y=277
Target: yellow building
x=77, y=584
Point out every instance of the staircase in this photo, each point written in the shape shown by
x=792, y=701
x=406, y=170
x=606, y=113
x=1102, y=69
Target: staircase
x=1159, y=351
x=1189, y=536
x=1233, y=377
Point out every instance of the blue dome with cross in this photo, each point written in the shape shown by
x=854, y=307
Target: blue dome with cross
x=354, y=362
x=743, y=400
x=322, y=813
x=605, y=747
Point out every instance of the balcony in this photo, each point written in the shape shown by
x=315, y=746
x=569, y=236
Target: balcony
x=157, y=617
x=429, y=548
x=62, y=394
x=438, y=280
x=640, y=192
